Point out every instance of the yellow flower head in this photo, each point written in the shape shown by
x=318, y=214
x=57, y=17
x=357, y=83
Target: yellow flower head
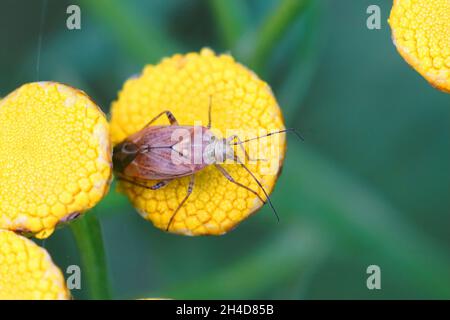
x=55, y=157
x=241, y=103
x=27, y=271
x=421, y=33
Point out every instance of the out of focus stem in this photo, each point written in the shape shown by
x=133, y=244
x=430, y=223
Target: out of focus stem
x=230, y=16
x=273, y=28
x=88, y=237
x=135, y=34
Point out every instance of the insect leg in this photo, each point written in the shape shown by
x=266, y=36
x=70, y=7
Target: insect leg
x=247, y=157
x=230, y=178
x=169, y=115
x=156, y=186
x=189, y=191
x=236, y=158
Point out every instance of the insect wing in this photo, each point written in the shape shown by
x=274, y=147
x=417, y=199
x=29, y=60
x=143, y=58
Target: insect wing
x=164, y=153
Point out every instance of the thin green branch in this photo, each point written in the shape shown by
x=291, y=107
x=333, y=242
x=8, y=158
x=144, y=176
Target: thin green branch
x=88, y=237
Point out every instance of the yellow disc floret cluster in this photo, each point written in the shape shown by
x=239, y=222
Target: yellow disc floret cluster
x=241, y=101
x=55, y=157
x=27, y=271
x=421, y=33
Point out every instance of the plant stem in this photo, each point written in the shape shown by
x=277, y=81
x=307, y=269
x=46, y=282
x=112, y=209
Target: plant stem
x=88, y=237
x=273, y=28
x=306, y=55
x=230, y=16
x=146, y=43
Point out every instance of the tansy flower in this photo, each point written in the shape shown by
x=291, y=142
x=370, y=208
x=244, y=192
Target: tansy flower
x=186, y=85
x=55, y=157
x=27, y=271
x=421, y=33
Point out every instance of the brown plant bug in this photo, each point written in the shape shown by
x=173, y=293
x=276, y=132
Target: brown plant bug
x=152, y=154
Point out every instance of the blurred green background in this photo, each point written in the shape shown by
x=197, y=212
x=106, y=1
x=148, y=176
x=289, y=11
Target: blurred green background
x=370, y=184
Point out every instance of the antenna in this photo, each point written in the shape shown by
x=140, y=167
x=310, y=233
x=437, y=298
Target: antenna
x=293, y=130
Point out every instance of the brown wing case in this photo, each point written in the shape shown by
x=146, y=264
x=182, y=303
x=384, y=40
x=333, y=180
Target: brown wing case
x=166, y=152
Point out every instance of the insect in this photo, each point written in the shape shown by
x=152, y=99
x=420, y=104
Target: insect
x=152, y=154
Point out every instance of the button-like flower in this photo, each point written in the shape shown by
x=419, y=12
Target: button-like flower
x=27, y=271
x=241, y=103
x=55, y=157
x=421, y=33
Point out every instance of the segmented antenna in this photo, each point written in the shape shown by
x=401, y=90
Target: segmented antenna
x=293, y=130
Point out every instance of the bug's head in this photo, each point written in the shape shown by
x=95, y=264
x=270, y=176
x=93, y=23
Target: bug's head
x=218, y=150
x=123, y=154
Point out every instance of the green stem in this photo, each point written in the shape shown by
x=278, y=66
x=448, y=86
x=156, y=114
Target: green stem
x=273, y=28
x=146, y=43
x=88, y=237
x=230, y=18
x=297, y=80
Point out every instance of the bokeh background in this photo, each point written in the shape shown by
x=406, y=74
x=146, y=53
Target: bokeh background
x=370, y=184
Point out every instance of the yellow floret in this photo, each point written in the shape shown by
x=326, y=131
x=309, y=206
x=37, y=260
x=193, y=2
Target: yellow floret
x=55, y=157
x=27, y=271
x=241, y=101
x=421, y=33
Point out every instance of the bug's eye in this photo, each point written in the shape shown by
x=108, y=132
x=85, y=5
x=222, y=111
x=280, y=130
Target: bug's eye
x=129, y=148
x=212, y=139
